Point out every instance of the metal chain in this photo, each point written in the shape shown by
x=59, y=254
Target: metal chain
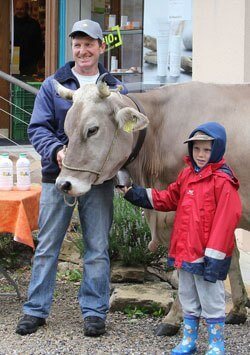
x=68, y=203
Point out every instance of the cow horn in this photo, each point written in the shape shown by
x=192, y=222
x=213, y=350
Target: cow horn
x=101, y=77
x=102, y=86
x=63, y=91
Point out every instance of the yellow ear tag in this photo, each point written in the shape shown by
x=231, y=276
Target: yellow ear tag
x=128, y=126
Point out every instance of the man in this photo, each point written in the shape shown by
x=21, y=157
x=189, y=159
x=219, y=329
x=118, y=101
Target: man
x=27, y=36
x=46, y=133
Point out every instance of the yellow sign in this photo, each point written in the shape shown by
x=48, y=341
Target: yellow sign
x=113, y=39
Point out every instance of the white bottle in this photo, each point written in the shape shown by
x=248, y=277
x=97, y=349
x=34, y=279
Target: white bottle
x=6, y=172
x=162, y=47
x=175, y=56
x=23, y=172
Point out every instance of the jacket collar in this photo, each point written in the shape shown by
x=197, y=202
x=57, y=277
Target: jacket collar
x=65, y=74
x=211, y=167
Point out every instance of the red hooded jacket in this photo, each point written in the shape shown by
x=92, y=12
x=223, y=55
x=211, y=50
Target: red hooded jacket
x=207, y=206
x=208, y=209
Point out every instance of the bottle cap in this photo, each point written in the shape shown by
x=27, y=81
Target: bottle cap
x=5, y=155
x=22, y=155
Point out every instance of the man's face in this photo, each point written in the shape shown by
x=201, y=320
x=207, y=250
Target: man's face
x=86, y=52
x=202, y=152
x=20, y=10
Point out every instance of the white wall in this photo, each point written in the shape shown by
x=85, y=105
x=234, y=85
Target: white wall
x=221, y=48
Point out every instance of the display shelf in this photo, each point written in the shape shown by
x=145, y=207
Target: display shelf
x=125, y=32
x=127, y=45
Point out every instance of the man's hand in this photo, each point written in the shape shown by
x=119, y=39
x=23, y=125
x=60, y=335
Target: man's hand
x=59, y=157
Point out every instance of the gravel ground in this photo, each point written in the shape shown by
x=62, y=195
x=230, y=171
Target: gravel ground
x=63, y=333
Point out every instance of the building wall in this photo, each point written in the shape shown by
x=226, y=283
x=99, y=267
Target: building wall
x=221, y=51
x=5, y=7
x=221, y=40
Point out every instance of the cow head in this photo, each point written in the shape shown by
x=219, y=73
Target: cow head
x=100, y=130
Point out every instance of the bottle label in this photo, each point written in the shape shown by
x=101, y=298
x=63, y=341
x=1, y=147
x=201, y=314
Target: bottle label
x=23, y=176
x=6, y=177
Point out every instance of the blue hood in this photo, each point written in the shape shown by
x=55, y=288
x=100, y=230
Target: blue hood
x=218, y=132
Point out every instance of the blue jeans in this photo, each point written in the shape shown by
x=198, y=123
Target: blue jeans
x=95, y=212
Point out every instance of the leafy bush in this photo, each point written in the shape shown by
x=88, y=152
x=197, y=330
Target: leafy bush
x=13, y=254
x=130, y=235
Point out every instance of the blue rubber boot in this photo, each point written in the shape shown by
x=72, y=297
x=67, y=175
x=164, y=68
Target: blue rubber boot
x=216, y=337
x=190, y=334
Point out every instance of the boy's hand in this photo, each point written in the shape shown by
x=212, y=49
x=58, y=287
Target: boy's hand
x=123, y=181
x=124, y=189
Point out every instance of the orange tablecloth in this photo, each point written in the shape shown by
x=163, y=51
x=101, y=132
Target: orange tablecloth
x=19, y=213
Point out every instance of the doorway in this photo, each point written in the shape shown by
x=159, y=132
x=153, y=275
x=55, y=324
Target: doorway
x=28, y=40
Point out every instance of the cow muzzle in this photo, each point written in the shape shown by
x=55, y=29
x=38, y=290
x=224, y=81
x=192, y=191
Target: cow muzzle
x=72, y=186
x=64, y=186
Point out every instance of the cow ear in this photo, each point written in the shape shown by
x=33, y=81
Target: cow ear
x=131, y=120
x=62, y=90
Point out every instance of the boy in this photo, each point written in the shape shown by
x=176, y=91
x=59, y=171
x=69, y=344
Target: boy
x=208, y=209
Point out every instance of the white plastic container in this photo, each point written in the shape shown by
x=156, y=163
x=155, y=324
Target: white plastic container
x=162, y=47
x=175, y=56
x=112, y=21
x=114, y=63
x=124, y=20
x=6, y=172
x=23, y=172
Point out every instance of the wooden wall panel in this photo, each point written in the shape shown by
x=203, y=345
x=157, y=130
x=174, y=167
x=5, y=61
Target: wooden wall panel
x=4, y=61
x=51, y=37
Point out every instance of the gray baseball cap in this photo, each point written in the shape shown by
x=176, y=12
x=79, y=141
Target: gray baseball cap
x=90, y=28
x=200, y=136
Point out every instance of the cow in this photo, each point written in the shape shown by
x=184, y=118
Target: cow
x=103, y=128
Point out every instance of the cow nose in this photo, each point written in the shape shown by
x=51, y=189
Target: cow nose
x=65, y=186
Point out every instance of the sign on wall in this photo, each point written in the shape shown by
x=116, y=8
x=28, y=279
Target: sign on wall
x=179, y=10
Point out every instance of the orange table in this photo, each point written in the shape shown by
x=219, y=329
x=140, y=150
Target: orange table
x=19, y=213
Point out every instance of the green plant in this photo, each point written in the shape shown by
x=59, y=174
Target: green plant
x=157, y=311
x=135, y=311
x=13, y=254
x=71, y=275
x=130, y=235
x=74, y=275
x=142, y=311
x=77, y=241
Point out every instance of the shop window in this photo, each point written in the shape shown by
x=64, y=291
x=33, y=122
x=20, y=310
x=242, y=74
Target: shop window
x=28, y=36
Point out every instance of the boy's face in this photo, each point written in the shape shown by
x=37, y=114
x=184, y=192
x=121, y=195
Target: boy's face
x=202, y=152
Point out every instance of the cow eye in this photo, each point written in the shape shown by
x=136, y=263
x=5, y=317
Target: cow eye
x=92, y=131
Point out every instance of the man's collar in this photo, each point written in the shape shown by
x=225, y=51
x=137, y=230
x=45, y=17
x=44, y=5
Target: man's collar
x=64, y=74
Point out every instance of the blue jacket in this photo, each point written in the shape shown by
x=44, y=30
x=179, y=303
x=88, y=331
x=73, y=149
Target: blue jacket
x=46, y=128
